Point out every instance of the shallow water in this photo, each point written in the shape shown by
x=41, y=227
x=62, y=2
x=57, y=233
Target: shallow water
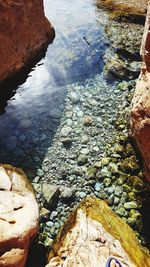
x=75, y=55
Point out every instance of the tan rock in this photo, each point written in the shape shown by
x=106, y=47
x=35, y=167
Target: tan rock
x=92, y=234
x=18, y=216
x=140, y=109
x=125, y=7
x=24, y=31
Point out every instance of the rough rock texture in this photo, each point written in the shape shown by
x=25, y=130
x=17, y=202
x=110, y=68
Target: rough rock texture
x=24, y=31
x=130, y=7
x=140, y=111
x=94, y=233
x=18, y=216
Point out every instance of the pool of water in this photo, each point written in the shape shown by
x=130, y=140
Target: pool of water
x=75, y=55
x=59, y=124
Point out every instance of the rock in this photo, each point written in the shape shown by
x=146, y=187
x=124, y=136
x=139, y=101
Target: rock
x=126, y=7
x=65, y=131
x=18, y=216
x=93, y=233
x=120, y=212
x=87, y=120
x=136, y=183
x=107, y=182
x=82, y=160
x=85, y=151
x=84, y=139
x=140, y=111
x=98, y=186
x=75, y=97
x=129, y=165
x=130, y=205
x=44, y=214
x=66, y=194
x=51, y=195
x=118, y=191
x=111, y=200
x=105, y=161
x=102, y=194
x=19, y=20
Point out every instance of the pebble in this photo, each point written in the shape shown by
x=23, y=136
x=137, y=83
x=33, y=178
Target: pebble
x=118, y=191
x=75, y=97
x=65, y=131
x=130, y=205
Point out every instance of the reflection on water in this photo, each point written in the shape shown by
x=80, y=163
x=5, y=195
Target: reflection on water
x=33, y=113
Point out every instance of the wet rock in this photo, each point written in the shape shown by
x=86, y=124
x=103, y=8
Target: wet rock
x=105, y=161
x=136, y=183
x=129, y=165
x=51, y=195
x=87, y=120
x=105, y=172
x=111, y=200
x=100, y=219
x=66, y=194
x=120, y=212
x=118, y=191
x=107, y=182
x=82, y=160
x=75, y=97
x=130, y=205
x=84, y=139
x=85, y=151
x=44, y=214
x=66, y=131
x=102, y=194
x=18, y=216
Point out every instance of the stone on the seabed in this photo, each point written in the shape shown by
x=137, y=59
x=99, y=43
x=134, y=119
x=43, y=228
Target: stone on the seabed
x=66, y=131
x=18, y=216
x=75, y=97
x=92, y=234
x=82, y=160
x=140, y=111
x=130, y=205
x=51, y=195
x=33, y=34
x=87, y=120
x=66, y=193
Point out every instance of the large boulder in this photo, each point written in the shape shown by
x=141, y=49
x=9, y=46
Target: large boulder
x=92, y=235
x=24, y=32
x=18, y=216
x=140, y=107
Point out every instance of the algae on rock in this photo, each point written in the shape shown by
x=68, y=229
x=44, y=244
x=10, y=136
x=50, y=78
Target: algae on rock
x=93, y=233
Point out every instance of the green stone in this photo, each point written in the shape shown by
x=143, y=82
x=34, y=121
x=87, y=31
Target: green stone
x=130, y=205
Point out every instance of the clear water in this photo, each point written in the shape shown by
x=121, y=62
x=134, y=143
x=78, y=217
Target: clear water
x=76, y=54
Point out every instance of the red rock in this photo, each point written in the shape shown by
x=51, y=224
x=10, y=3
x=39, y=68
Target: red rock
x=140, y=111
x=24, y=32
x=18, y=216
